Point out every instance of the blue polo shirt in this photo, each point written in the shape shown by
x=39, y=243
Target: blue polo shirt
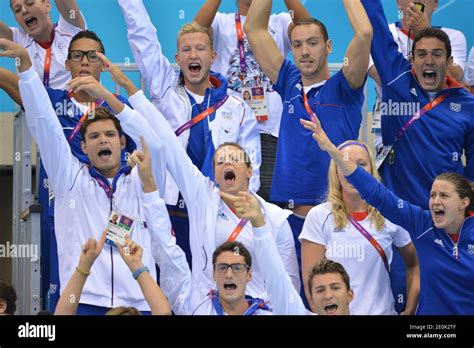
x=301, y=168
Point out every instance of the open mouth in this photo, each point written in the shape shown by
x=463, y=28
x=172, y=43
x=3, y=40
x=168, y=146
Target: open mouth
x=438, y=213
x=84, y=73
x=330, y=308
x=105, y=154
x=230, y=286
x=31, y=21
x=194, y=68
x=429, y=75
x=229, y=176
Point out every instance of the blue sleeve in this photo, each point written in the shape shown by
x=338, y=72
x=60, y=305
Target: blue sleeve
x=469, y=149
x=389, y=62
x=288, y=77
x=410, y=217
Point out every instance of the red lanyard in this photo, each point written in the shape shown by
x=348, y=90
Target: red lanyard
x=78, y=125
x=311, y=113
x=235, y=233
x=47, y=59
x=431, y=105
x=372, y=241
x=196, y=119
x=240, y=43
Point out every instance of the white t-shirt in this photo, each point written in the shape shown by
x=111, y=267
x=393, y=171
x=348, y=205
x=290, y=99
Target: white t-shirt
x=65, y=31
x=228, y=61
x=368, y=277
x=458, y=48
x=470, y=68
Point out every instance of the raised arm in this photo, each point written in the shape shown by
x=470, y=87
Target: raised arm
x=284, y=299
x=59, y=162
x=389, y=62
x=206, y=14
x=154, y=66
x=5, y=32
x=357, y=54
x=69, y=300
x=9, y=83
x=263, y=46
x=390, y=206
x=297, y=10
x=70, y=11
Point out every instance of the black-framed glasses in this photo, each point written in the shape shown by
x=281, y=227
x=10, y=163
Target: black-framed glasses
x=77, y=55
x=236, y=267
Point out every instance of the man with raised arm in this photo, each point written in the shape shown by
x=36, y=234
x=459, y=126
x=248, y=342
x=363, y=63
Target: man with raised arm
x=300, y=178
x=86, y=195
x=237, y=63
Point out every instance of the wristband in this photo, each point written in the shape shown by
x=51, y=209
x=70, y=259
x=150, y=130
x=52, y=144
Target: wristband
x=82, y=271
x=139, y=271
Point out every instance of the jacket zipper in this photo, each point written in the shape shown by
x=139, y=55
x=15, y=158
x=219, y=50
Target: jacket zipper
x=111, y=262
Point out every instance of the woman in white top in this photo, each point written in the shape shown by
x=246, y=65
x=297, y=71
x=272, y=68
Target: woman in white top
x=349, y=231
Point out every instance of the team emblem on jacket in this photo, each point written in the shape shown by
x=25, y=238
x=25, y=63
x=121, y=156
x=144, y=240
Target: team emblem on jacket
x=227, y=115
x=337, y=230
x=439, y=241
x=413, y=91
x=470, y=249
x=456, y=107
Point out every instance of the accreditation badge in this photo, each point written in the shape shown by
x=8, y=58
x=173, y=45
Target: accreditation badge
x=118, y=227
x=256, y=98
x=377, y=119
x=382, y=155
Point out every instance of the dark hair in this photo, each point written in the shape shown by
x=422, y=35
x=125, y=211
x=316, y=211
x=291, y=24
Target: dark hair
x=246, y=156
x=8, y=293
x=123, y=311
x=235, y=247
x=87, y=34
x=328, y=266
x=99, y=114
x=462, y=187
x=432, y=32
x=309, y=21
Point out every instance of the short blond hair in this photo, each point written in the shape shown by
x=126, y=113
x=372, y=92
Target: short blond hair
x=194, y=27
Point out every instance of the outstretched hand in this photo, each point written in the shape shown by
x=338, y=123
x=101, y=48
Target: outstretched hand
x=131, y=253
x=118, y=75
x=90, y=251
x=246, y=207
x=11, y=49
x=318, y=134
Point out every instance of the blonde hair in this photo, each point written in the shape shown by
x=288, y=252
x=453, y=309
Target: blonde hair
x=123, y=311
x=194, y=27
x=339, y=210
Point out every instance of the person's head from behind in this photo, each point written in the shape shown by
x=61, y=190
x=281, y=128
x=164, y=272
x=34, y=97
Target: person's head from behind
x=103, y=141
x=431, y=57
x=311, y=47
x=82, y=59
x=33, y=17
x=341, y=191
x=7, y=298
x=232, y=168
x=123, y=311
x=430, y=6
x=451, y=201
x=330, y=290
x=195, y=54
x=232, y=271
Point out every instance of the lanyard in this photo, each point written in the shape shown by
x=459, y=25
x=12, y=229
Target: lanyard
x=254, y=304
x=47, y=59
x=104, y=183
x=372, y=241
x=206, y=113
x=431, y=105
x=311, y=113
x=240, y=43
x=235, y=233
x=78, y=125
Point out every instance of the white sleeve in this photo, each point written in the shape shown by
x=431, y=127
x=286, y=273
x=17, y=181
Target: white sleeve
x=135, y=125
x=470, y=68
x=43, y=123
x=284, y=21
x=312, y=229
x=459, y=48
x=281, y=292
x=65, y=27
x=175, y=275
x=154, y=66
x=401, y=237
x=194, y=186
x=286, y=249
x=249, y=139
x=20, y=37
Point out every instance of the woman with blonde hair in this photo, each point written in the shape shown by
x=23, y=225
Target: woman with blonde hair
x=348, y=230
